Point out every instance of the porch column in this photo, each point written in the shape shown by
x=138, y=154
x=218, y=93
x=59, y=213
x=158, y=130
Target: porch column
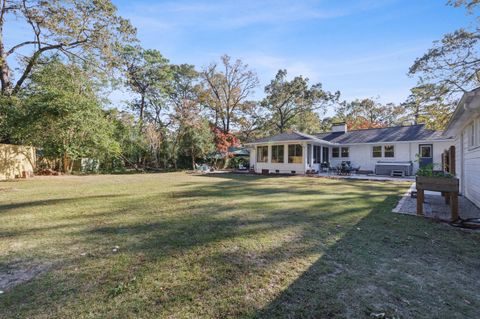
x=305, y=155
x=311, y=155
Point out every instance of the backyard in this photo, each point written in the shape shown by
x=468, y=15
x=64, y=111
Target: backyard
x=177, y=245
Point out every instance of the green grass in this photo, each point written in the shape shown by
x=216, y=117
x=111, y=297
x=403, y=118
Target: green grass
x=227, y=246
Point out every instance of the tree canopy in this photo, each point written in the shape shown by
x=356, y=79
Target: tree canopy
x=82, y=30
x=287, y=100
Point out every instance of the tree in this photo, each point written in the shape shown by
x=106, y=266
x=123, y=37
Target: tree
x=62, y=115
x=368, y=113
x=452, y=65
x=197, y=140
x=252, y=124
x=227, y=88
x=88, y=31
x=183, y=95
x=425, y=105
x=287, y=100
x=148, y=75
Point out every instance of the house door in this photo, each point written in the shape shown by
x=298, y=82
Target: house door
x=325, y=155
x=426, y=154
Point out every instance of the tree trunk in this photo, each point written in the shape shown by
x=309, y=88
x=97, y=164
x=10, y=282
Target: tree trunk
x=5, y=75
x=193, y=159
x=142, y=109
x=65, y=163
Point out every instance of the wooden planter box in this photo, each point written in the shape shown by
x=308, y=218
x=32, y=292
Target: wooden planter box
x=448, y=186
x=438, y=184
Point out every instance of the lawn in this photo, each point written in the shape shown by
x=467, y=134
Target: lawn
x=176, y=245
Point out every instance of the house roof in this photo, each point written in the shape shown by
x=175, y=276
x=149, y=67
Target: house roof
x=468, y=106
x=376, y=135
x=288, y=136
x=381, y=135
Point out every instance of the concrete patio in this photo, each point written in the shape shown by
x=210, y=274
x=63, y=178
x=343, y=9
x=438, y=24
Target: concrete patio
x=435, y=207
x=367, y=177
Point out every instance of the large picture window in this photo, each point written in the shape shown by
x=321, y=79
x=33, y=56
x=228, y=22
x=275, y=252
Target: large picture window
x=277, y=153
x=377, y=151
x=389, y=151
x=345, y=152
x=335, y=152
x=295, y=154
x=262, y=154
x=317, y=154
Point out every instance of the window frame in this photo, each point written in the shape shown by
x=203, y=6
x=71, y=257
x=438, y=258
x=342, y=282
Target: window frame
x=373, y=151
x=429, y=146
x=291, y=158
x=317, y=154
x=275, y=154
x=258, y=154
x=385, y=151
x=347, y=152
x=337, y=149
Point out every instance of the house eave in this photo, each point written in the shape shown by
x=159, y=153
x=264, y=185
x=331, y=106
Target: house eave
x=468, y=106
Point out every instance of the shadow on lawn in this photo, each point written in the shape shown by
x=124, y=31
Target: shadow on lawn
x=54, y=201
x=401, y=267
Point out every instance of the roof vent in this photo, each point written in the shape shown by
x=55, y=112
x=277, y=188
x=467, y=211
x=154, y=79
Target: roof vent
x=339, y=127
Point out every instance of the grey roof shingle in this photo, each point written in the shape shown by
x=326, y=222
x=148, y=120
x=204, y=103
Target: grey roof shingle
x=376, y=135
x=379, y=135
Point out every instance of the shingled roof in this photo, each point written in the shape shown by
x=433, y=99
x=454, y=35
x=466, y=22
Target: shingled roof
x=375, y=135
x=381, y=135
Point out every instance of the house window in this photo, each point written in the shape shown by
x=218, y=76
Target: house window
x=277, y=153
x=335, y=152
x=477, y=133
x=377, y=151
x=317, y=153
x=471, y=135
x=262, y=154
x=295, y=154
x=345, y=152
x=389, y=151
x=474, y=134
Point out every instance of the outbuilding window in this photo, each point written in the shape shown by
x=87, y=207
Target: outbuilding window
x=262, y=154
x=345, y=152
x=295, y=154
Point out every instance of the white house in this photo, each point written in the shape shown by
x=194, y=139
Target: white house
x=297, y=153
x=464, y=125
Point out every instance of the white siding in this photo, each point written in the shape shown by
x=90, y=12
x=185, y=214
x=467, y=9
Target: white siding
x=471, y=173
x=361, y=155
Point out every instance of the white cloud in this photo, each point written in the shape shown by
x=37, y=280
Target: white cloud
x=237, y=14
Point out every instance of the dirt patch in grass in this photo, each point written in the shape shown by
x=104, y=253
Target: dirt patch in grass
x=20, y=272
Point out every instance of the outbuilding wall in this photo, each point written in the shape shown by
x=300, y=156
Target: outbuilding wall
x=16, y=161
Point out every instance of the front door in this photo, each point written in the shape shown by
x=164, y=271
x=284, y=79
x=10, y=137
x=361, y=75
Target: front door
x=325, y=155
x=426, y=154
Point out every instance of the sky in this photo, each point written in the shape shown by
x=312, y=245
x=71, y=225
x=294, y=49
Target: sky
x=362, y=48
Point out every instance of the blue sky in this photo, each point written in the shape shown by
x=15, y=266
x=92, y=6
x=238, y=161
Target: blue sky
x=362, y=48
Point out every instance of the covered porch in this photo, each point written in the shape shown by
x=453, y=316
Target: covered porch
x=290, y=157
